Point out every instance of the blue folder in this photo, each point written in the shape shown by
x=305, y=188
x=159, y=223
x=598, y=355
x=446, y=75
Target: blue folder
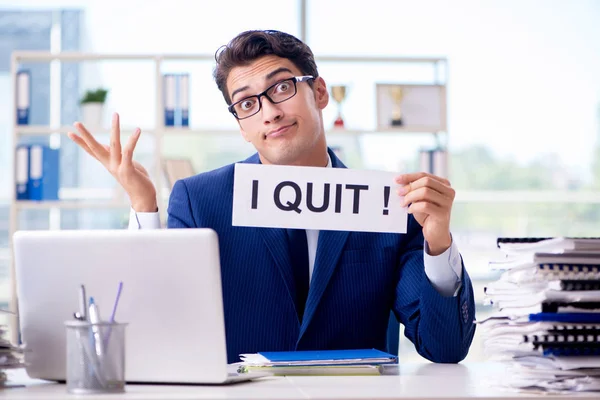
x=330, y=357
x=577, y=318
x=44, y=162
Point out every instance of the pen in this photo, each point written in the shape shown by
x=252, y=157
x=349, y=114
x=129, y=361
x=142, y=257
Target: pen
x=112, y=315
x=114, y=310
x=94, y=317
x=82, y=303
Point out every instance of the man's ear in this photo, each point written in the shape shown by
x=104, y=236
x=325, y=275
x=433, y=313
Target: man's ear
x=321, y=93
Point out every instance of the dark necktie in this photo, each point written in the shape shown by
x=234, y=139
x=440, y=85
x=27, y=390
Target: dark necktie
x=298, y=248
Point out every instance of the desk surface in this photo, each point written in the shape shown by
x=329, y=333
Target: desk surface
x=410, y=381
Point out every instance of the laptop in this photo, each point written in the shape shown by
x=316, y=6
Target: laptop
x=171, y=299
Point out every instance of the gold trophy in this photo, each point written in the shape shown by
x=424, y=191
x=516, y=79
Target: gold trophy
x=396, y=93
x=338, y=92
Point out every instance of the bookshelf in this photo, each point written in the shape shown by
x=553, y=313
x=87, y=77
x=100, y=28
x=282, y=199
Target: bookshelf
x=81, y=199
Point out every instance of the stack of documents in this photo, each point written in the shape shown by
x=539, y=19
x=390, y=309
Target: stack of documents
x=10, y=355
x=547, y=313
x=327, y=362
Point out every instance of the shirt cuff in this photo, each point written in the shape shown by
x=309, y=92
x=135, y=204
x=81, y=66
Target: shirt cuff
x=143, y=220
x=445, y=270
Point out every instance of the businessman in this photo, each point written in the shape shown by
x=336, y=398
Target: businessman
x=305, y=289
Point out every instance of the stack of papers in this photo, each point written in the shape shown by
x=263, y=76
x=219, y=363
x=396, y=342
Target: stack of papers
x=326, y=362
x=10, y=355
x=546, y=322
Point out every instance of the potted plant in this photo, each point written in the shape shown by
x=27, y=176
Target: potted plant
x=92, y=107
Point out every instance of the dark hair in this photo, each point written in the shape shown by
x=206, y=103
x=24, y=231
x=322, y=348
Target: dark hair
x=251, y=45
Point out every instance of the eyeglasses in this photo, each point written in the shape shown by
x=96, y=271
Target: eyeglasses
x=277, y=93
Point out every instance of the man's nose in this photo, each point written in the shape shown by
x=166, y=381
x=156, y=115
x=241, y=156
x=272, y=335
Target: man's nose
x=270, y=112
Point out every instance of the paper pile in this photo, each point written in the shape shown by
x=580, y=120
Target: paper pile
x=10, y=355
x=546, y=322
x=325, y=362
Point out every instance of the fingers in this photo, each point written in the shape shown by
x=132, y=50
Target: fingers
x=136, y=164
x=407, y=178
x=115, y=159
x=140, y=168
x=427, y=209
x=127, y=159
x=433, y=182
x=427, y=194
x=115, y=144
x=81, y=143
x=95, y=148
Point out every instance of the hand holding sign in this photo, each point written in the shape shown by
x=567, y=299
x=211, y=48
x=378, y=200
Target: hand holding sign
x=429, y=198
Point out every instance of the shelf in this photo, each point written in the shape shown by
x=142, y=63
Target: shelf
x=21, y=56
x=380, y=59
x=111, y=198
x=192, y=131
x=40, y=130
x=408, y=129
x=69, y=204
x=333, y=131
x=462, y=196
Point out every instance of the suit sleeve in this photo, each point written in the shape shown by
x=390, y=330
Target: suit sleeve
x=441, y=327
x=180, y=210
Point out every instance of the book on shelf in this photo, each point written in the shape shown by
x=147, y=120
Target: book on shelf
x=23, y=100
x=22, y=172
x=176, y=99
x=37, y=172
x=169, y=95
x=183, y=99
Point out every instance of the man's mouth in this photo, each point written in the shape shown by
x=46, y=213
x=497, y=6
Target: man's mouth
x=279, y=131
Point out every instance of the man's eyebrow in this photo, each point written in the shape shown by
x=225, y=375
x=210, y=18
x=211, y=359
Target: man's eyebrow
x=236, y=91
x=267, y=77
x=277, y=71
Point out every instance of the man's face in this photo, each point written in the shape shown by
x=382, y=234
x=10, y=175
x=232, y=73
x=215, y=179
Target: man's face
x=288, y=133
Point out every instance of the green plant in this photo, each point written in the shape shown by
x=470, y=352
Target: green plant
x=94, y=96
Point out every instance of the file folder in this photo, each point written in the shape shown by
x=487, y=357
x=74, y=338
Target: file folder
x=574, y=318
x=184, y=98
x=169, y=99
x=43, y=173
x=320, y=358
x=22, y=172
x=23, y=100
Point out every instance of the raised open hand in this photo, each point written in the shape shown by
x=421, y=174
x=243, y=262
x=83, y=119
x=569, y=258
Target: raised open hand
x=130, y=174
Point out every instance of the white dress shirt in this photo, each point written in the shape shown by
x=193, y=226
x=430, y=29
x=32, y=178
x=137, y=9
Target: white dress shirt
x=443, y=271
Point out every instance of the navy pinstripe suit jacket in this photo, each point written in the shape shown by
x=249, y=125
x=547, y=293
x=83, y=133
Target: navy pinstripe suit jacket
x=358, y=278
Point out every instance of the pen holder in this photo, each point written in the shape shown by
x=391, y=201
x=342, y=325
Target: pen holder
x=95, y=357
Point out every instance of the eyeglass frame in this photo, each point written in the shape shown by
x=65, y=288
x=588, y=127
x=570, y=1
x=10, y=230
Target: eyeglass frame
x=295, y=79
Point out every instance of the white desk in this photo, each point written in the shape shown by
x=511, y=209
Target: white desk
x=412, y=381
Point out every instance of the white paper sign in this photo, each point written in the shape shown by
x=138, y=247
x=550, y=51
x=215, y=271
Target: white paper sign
x=335, y=199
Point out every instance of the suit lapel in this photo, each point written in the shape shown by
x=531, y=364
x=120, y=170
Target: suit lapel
x=276, y=241
x=329, y=250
